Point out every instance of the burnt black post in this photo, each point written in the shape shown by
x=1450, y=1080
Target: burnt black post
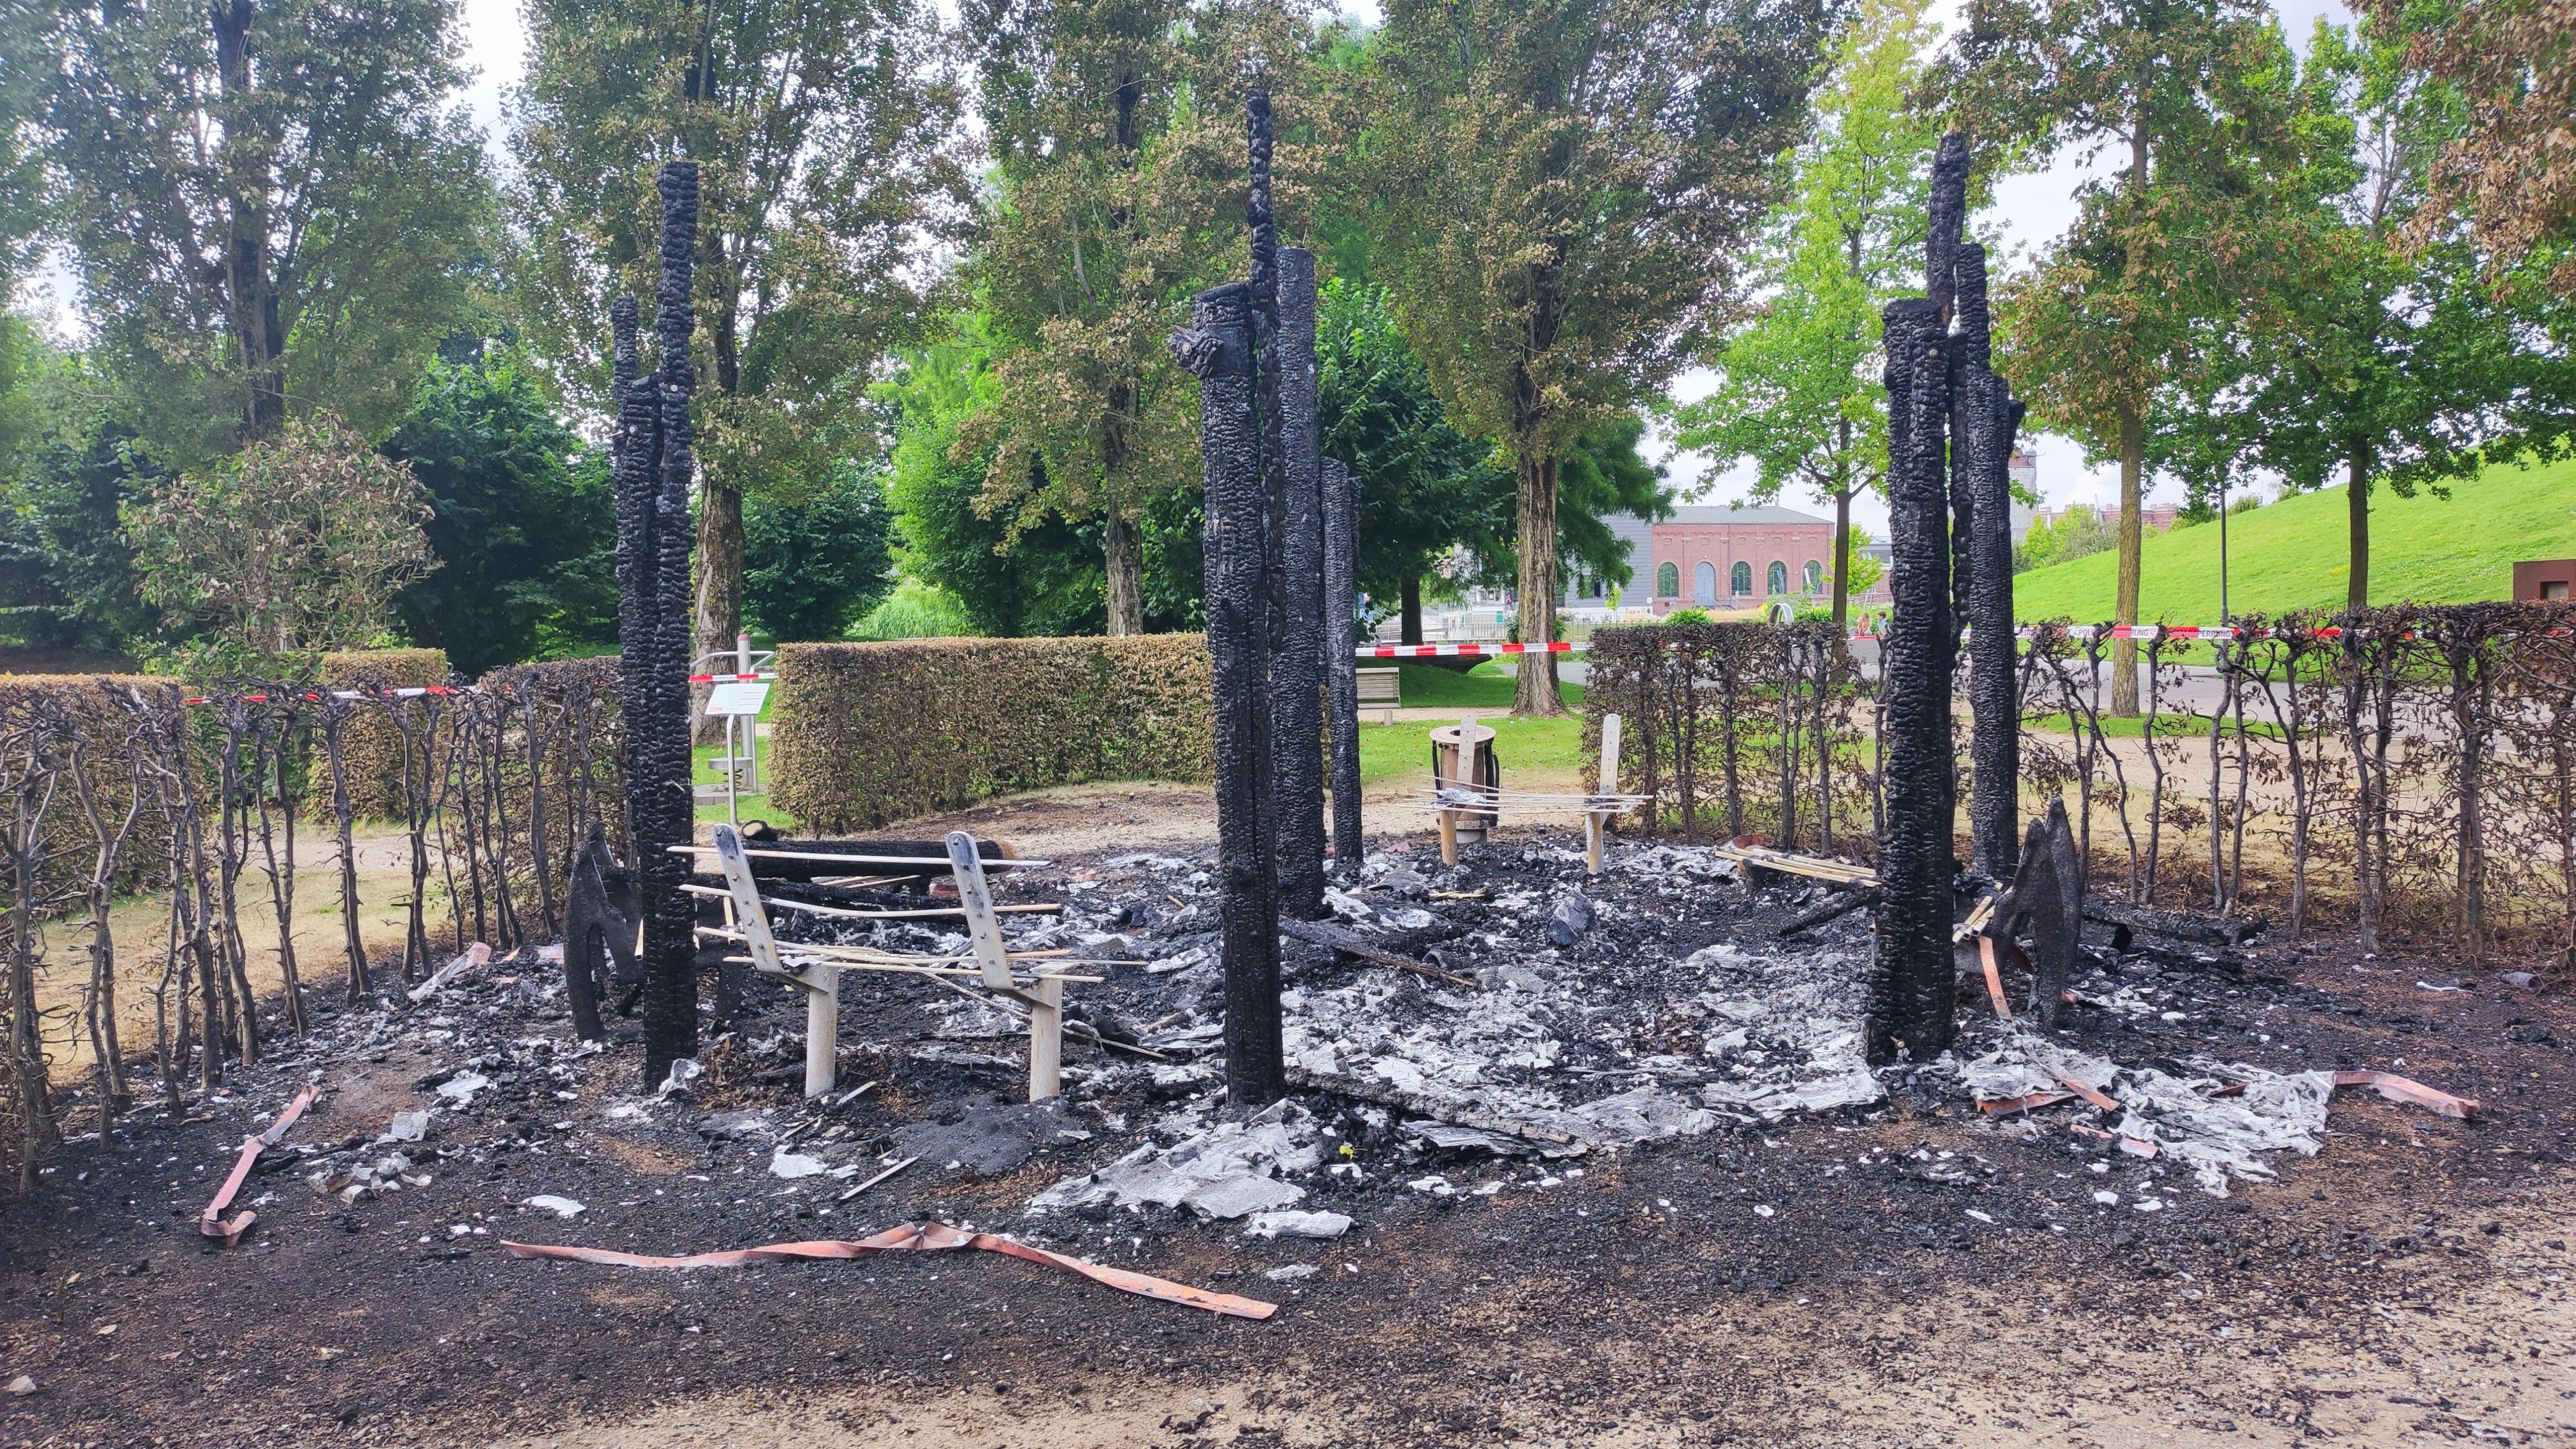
x=1341, y=494
x=655, y=469
x=1218, y=349
x=1914, y=979
x=1297, y=662
x=1987, y=418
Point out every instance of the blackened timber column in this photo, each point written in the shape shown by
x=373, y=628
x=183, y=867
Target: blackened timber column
x=1914, y=979
x=1341, y=492
x=1296, y=661
x=1218, y=349
x=658, y=791
x=1988, y=418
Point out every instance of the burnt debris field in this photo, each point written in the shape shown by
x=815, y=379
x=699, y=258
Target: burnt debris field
x=1615, y=1172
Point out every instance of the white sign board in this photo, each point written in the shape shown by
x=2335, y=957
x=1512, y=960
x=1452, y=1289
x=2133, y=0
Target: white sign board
x=737, y=696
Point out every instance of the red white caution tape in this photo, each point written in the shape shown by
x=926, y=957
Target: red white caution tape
x=1459, y=651
x=316, y=696
x=729, y=678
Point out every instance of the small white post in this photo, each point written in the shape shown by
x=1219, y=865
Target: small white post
x=1596, y=821
x=968, y=868
x=1046, y=1038
x=750, y=727
x=821, y=980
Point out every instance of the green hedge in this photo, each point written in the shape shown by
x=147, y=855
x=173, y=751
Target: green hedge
x=371, y=748
x=865, y=734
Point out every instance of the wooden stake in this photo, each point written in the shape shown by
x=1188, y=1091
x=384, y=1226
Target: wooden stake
x=1596, y=823
x=1046, y=1038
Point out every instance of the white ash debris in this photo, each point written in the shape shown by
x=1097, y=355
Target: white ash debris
x=2219, y=1137
x=1787, y=1032
x=1231, y=1170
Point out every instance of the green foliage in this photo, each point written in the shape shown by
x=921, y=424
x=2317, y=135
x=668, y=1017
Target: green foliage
x=2290, y=555
x=2077, y=532
x=299, y=224
x=2389, y=358
x=66, y=574
x=1799, y=389
x=1041, y=578
x=290, y=549
x=1563, y=186
x=522, y=519
x=1117, y=135
x=828, y=158
x=915, y=610
x=811, y=568
x=1425, y=487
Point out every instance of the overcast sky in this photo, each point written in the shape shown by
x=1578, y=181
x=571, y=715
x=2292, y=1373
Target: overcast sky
x=2027, y=211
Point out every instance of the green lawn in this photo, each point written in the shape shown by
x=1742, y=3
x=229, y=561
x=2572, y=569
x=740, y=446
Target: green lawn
x=1400, y=750
x=1428, y=686
x=2292, y=554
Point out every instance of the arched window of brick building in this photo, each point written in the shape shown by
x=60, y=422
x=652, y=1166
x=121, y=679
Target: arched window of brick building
x=1815, y=577
x=1668, y=580
x=1740, y=578
x=1776, y=580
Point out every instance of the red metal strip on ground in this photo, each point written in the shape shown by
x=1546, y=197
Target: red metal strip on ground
x=916, y=1237
x=1994, y=977
x=211, y=1222
x=2406, y=1089
x=2090, y=1094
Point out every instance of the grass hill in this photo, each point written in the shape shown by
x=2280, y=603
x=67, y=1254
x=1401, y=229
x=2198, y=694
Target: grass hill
x=2292, y=554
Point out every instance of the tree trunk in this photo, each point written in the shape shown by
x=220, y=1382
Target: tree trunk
x=1536, y=692
x=2124, y=652
x=718, y=616
x=1123, y=565
x=2357, y=508
x=1411, y=590
x=249, y=292
x=1842, y=560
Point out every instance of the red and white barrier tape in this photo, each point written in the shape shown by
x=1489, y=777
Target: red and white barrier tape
x=315, y=696
x=1462, y=651
x=728, y=678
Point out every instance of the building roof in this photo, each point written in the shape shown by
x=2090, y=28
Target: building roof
x=1747, y=513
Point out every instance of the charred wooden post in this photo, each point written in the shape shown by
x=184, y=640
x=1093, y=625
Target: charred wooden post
x=1297, y=663
x=1218, y=349
x=1991, y=418
x=1914, y=979
x=654, y=537
x=1341, y=497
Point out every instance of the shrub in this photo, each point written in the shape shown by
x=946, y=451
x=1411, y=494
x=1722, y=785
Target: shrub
x=864, y=734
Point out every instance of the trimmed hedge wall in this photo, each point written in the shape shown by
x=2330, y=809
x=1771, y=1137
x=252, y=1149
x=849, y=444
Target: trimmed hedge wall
x=866, y=734
x=371, y=750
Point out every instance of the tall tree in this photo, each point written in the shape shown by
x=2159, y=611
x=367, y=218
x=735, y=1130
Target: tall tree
x=1565, y=185
x=1799, y=390
x=522, y=521
x=1117, y=148
x=829, y=165
x=2510, y=168
x=270, y=202
x=1426, y=489
x=2192, y=100
x=2382, y=362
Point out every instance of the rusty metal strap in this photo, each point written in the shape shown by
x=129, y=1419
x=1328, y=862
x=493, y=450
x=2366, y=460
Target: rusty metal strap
x=2406, y=1089
x=915, y=1237
x=212, y=1222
